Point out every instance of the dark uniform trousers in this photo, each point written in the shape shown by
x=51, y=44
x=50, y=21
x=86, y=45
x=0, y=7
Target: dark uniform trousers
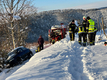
x=82, y=35
x=94, y=34
x=72, y=36
x=85, y=35
x=91, y=38
x=41, y=47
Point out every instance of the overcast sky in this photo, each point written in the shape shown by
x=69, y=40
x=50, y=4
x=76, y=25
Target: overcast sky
x=45, y=5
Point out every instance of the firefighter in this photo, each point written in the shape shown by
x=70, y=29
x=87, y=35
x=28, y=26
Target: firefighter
x=84, y=24
x=82, y=35
x=91, y=30
x=52, y=35
x=38, y=49
x=72, y=28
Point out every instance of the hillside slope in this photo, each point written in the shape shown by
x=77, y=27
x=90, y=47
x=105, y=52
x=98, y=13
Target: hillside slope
x=42, y=22
x=66, y=60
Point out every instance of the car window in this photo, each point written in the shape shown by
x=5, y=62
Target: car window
x=23, y=48
x=19, y=50
x=11, y=53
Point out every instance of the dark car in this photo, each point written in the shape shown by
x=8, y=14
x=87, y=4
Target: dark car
x=17, y=56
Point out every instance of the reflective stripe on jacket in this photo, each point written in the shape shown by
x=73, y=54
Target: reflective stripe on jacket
x=72, y=27
x=70, y=30
x=91, y=26
x=81, y=30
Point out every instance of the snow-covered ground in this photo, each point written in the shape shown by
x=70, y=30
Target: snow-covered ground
x=65, y=60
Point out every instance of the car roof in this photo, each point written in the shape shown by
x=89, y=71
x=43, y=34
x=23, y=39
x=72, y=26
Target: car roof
x=16, y=48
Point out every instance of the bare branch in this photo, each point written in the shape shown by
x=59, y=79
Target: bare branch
x=5, y=7
x=16, y=3
x=21, y=8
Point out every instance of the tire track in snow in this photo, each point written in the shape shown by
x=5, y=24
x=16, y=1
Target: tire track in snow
x=86, y=53
x=76, y=65
x=91, y=61
x=94, y=61
x=71, y=56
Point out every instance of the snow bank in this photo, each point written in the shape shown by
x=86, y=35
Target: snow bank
x=60, y=61
x=66, y=60
x=2, y=76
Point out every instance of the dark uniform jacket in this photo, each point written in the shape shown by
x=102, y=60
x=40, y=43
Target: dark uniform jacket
x=72, y=27
x=84, y=24
x=40, y=41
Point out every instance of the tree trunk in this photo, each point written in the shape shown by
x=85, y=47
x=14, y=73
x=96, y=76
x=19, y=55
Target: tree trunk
x=12, y=24
x=13, y=38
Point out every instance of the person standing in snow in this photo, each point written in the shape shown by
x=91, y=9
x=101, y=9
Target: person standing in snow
x=72, y=28
x=41, y=42
x=81, y=34
x=52, y=35
x=84, y=24
x=91, y=30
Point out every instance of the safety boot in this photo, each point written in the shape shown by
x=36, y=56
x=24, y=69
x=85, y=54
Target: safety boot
x=91, y=43
x=79, y=42
x=84, y=44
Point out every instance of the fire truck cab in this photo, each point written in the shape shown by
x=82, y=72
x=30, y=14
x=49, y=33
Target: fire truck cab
x=58, y=31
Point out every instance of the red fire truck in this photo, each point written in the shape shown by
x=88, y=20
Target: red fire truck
x=59, y=32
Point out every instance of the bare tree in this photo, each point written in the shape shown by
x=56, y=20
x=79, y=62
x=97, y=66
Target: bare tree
x=22, y=30
x=3, y=44
x=11, y=12
x=14, y=22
